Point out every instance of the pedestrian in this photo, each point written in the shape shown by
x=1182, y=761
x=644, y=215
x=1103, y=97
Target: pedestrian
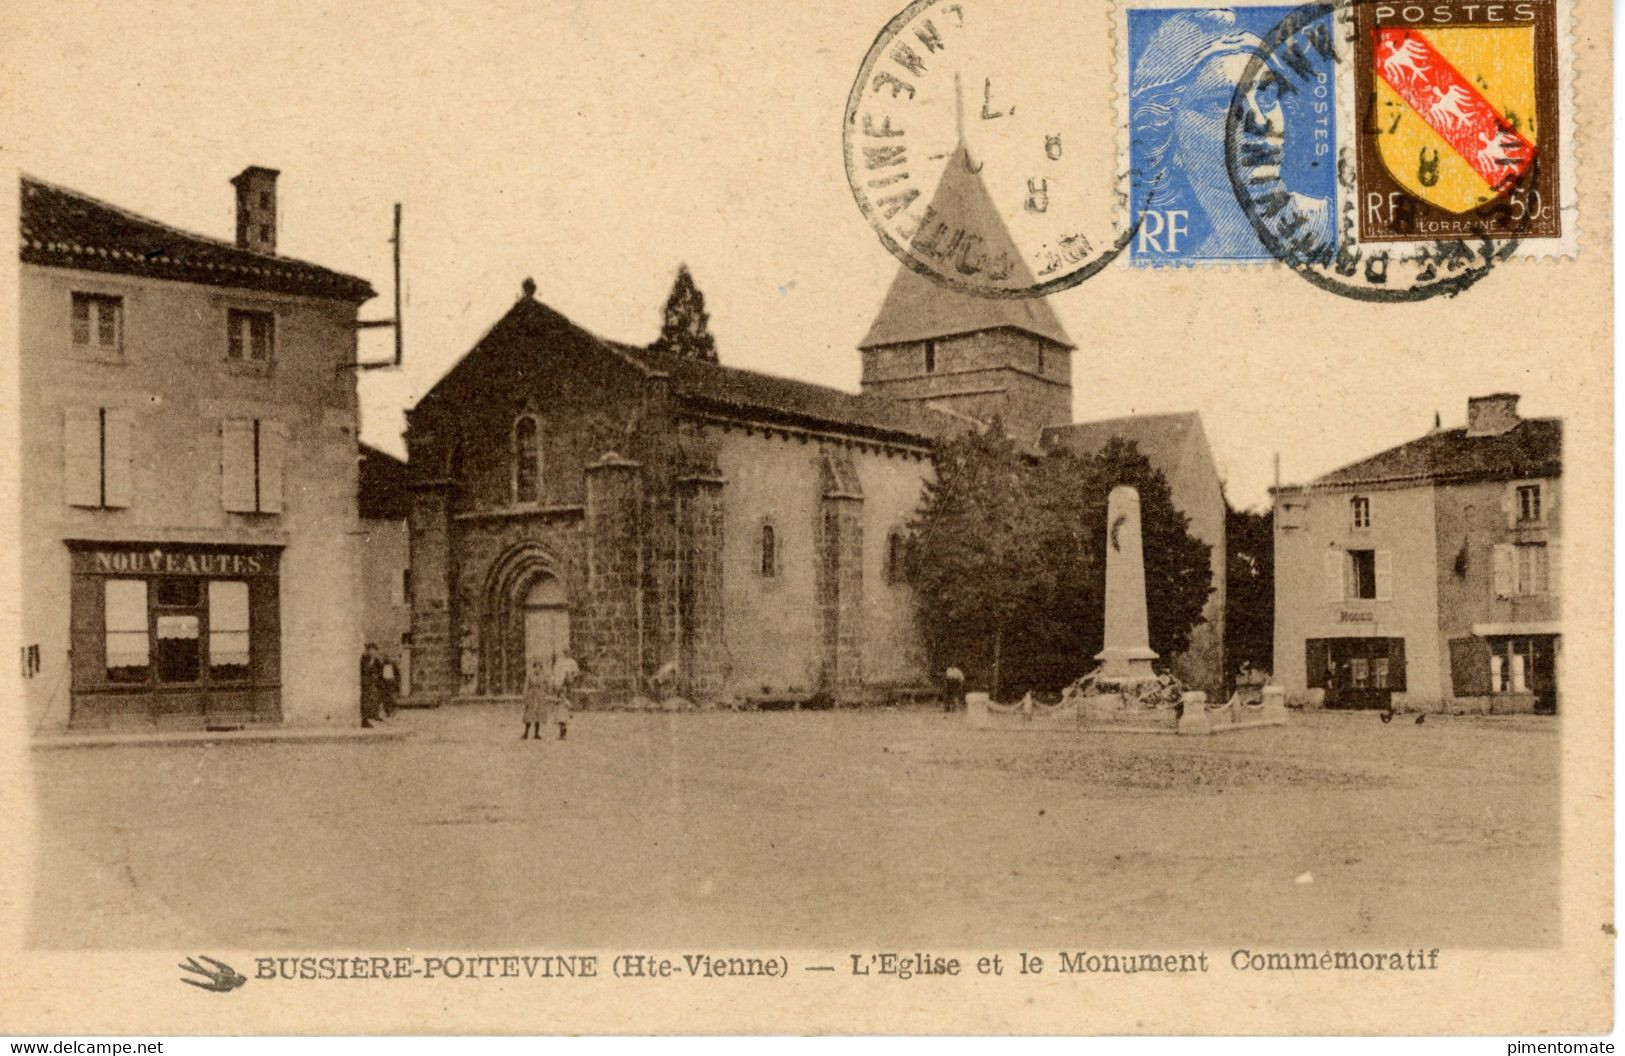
x=565, y=673
x=953, y=689
x=371, y=685
x=538, y=689
x=389, y=684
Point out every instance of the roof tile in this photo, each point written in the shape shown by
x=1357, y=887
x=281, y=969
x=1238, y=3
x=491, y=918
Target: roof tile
x=66, y=229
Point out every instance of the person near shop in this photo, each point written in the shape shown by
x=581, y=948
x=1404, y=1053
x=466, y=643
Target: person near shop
x=372, y=686
x=389, y=678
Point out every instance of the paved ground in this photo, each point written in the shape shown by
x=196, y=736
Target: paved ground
x=785, y=830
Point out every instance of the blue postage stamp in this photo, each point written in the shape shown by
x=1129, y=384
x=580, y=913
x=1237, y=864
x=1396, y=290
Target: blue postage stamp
x=1182, y=66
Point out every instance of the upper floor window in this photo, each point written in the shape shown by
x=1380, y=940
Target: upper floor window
x=1361, y=582
x=1360, y=510
x=1525, y=569
x=527, y=472
x=930, y=357
x=98, y=321
x=249, y=335
x=768, y=552
x=97, y=457
x=1529, y=503
x=1359, y=575
x=252, y=455
x=1532, y=569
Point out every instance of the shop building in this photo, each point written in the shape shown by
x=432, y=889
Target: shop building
x=1428, y=576
x=188, y=466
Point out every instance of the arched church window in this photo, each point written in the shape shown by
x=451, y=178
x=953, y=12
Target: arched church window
x=896, y=558
x=527, y=472
x=768, y=565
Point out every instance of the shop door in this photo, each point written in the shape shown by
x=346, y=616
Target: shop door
x=1543, y=673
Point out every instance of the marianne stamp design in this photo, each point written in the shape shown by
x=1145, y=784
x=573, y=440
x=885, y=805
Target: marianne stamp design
x=971, y=150
x=1461, y=133
x=1183, y=68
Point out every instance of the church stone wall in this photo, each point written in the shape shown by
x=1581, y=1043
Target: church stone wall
x=893, y=488
x=773, y=630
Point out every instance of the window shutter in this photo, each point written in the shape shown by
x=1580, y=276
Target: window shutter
x=1334, y=575
x=237, y=465
x=1502, y=578
x=118, y=441
x=82, y=457
x=1470, y=667
x=1385, y=575
x=1554, y=569
x=1314, y=663
x=1396, y=664
x=1509, y=505
x=273, y=456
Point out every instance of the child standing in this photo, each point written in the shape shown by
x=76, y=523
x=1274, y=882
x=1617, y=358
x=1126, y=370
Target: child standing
x=565, y=672
x=537, y=687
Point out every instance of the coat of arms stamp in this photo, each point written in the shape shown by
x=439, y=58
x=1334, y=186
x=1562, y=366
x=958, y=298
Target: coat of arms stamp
x=1461, y=131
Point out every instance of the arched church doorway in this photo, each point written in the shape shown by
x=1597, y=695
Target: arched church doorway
x=546, y=622
x=526, y=615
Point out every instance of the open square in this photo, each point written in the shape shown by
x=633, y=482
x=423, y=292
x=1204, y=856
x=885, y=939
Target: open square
x=808, y=829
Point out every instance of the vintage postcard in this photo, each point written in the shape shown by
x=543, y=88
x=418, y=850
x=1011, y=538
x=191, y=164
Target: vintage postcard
x=1043, y=517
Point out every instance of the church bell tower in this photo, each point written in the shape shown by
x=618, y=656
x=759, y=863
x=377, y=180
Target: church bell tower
x=1007, y=358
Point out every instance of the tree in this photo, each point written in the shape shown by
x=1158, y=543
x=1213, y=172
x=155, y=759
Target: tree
x=684, y=331
x=1009, y=560
x=975, y=558
x=1249, y=619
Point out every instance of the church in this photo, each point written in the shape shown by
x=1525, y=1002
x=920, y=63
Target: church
x=639, y=508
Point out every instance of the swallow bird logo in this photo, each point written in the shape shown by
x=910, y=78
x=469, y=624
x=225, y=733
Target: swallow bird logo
x=222, y=978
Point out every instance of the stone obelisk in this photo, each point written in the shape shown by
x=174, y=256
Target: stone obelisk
x=1127, y=656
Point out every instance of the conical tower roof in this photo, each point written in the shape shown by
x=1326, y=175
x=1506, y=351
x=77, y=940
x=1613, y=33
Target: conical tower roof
x=918, y=308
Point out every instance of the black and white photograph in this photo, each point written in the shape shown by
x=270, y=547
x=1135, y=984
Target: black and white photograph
x=1081, y=517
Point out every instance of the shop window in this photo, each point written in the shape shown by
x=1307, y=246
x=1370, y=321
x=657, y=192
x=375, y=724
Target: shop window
x=228, y=630
x=1510, y=663
x=97, y=457
x=527, y=472
x=1360, y=510
x=249, y=335
x=98, y=321
x=1529, y=504
x=128, y=644
x=252, y=456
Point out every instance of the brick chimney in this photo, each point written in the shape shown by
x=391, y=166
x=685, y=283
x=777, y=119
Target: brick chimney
x=256, y=209
x=1492, y=415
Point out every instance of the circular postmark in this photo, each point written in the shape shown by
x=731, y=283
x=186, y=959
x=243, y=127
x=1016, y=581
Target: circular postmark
x=1405, y=264
x=970, y=153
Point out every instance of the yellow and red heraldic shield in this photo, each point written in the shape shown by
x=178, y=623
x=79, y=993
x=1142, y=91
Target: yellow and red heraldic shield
x=1460, y=134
